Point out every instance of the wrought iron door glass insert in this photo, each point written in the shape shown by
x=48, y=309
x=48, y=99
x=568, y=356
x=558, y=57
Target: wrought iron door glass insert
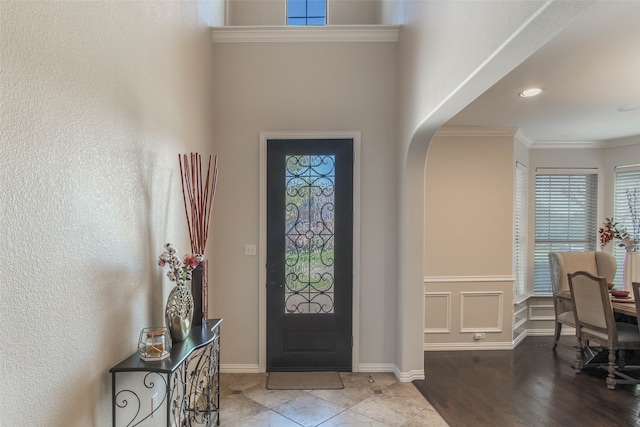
x=309, y=229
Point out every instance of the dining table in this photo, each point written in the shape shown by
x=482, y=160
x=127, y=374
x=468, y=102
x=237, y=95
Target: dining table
x=626, y=307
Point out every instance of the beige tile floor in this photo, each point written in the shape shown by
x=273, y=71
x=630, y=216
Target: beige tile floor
x=245, y=401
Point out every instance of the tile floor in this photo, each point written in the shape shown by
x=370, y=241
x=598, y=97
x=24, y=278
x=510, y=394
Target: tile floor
x=245, y=401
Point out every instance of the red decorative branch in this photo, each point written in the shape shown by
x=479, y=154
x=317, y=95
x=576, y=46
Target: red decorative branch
x=198, y=195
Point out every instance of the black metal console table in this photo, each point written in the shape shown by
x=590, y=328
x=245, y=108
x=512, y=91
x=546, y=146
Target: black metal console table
x=191, y=379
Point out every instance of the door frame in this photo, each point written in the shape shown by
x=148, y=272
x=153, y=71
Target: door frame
x=262, y=238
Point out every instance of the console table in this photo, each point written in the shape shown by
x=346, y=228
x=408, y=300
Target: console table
x=191, y=380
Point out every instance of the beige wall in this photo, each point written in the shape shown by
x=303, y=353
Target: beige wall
x=433, y=86
x=483, y=271
x=469, y=205
x=97, y=100
x=274, y=12
x=303, y=87
x=468, y=238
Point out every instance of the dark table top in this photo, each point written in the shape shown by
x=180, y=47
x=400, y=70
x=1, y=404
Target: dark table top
x=199, y=336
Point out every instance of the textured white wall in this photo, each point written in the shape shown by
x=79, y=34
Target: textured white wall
x=97, y=100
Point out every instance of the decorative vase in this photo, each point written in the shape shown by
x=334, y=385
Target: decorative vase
x=200, y=288
x=631, y=269
x=178, y=314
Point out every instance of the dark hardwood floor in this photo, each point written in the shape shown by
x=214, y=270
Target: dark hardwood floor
x=531, y=386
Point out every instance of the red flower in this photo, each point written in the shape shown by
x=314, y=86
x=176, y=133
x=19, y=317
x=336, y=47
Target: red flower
x=191, y=260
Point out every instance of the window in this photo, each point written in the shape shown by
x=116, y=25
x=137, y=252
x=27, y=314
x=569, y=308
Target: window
x=520, y=231
x=627, y=181
x=566, y=208
x=306, y=12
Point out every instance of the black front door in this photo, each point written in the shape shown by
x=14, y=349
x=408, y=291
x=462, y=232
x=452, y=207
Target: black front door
x=309, y=254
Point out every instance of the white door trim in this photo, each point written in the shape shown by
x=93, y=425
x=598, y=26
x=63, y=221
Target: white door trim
x=262, y=239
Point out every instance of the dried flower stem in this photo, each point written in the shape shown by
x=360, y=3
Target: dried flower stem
x=198, y=195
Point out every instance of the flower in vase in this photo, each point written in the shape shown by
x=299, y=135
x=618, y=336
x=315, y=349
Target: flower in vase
x=611, y=230
x=179, y=270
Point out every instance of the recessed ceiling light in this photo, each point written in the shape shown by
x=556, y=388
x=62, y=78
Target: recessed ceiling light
x=629, y=107
x=534, y=91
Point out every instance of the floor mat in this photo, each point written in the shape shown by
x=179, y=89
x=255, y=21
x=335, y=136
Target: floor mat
x=304, y=381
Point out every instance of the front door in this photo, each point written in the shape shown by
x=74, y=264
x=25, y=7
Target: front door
x=309, y=254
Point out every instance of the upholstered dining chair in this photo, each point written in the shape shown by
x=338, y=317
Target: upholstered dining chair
x=635, y=286
x=601, y=264
x=595, y=324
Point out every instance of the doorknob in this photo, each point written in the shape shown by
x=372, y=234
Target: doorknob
x=273, y=284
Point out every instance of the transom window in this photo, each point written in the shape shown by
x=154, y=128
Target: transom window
x=306, y=12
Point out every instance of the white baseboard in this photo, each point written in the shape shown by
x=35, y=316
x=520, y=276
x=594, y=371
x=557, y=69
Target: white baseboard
x=363, y=367
x=376, y=367
x=407, y=377
x=239, y=369
x=566, y=331
x=469, y=346
x=404, y=377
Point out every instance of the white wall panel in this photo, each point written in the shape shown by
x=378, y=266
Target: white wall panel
x=481, y=311
x=437, y=308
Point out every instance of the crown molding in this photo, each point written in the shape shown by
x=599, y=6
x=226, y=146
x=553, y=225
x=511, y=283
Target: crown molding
x=612, y=143
x=291, y=34
x=522, y=138
x=621, y=142
x=567, y=144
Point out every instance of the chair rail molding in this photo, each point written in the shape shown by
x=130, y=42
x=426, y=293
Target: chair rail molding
x=467, y=279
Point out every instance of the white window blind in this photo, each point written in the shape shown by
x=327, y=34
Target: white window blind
x=627, y=180
x=566, y=208
x=520, y=231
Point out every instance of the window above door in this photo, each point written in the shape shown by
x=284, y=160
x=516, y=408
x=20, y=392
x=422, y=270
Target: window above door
x=306, y=12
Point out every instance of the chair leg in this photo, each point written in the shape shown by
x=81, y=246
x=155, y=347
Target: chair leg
x=621, y=360
x=578, y=363
x=611, y=377
x=558, y=330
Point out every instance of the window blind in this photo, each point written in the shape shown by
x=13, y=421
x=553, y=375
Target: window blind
x=566, y=209
x=627, y=180
x=520, y=231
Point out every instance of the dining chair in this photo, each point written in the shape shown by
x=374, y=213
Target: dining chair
x=601, y=264
x=635, y=286
x=595, y=323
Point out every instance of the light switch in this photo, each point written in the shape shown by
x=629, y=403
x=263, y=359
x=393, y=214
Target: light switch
x=250, y=250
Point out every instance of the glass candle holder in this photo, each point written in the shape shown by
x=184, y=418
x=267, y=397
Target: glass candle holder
x=154, y=343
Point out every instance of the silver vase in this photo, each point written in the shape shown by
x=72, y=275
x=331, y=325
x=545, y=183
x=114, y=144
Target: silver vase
x=178, y=314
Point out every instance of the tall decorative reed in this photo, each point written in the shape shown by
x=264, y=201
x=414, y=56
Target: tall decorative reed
x=198, y=192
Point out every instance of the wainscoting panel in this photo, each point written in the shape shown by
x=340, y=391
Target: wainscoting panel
x=437, y=312
x=481, y=311
x=542, y=312
x=466, y=313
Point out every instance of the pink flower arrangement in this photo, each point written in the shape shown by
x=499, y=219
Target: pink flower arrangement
x=179, y=270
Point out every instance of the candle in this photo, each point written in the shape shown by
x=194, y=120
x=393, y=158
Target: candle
x=155, y=344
